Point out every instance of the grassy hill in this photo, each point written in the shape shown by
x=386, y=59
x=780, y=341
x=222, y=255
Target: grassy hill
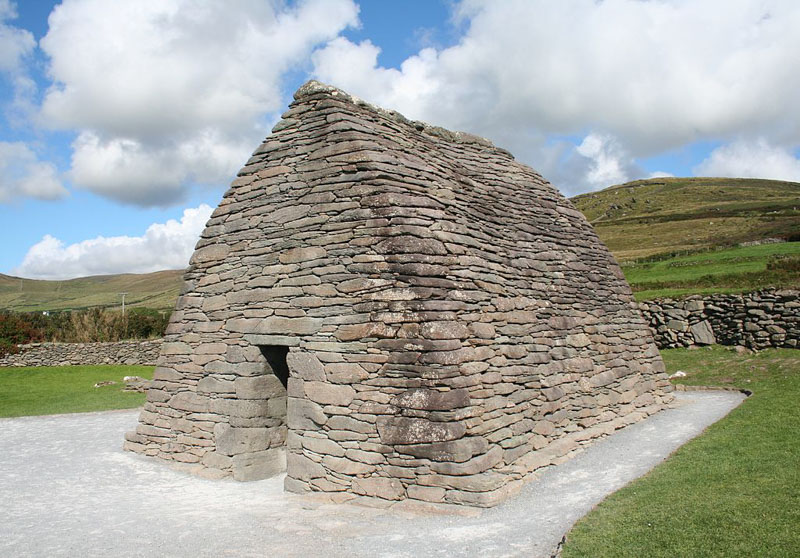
x=681, y=236
x=151, y=290
x=645, y=218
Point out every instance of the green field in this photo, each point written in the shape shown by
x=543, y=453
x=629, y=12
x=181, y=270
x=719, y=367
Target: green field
x=669, y=215
x=152, y=290
x=734, y=491
x=730, y=270
x=67, y=389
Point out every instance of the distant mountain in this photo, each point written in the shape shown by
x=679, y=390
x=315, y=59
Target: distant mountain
x=152, y=290
x=670, y=215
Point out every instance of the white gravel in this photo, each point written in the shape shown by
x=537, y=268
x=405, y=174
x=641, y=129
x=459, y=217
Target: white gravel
x=67, y=489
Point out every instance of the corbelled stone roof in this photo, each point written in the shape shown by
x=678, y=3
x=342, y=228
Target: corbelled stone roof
x=386, y=308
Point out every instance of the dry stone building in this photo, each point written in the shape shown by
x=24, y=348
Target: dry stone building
x=385, y=308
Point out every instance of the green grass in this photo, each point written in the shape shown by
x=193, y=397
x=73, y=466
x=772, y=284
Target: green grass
x=67, y=389
x=734, y=491
x=721, y=271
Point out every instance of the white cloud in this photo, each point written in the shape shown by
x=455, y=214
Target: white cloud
x=609, y=165
x=654, y=75
x=751, y=159
x=169, y=93
x=163, y=246
x=15, y=44
x=22, y=174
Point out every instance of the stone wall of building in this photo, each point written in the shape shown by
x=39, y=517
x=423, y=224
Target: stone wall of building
x=388, y=309
x=757, y=320
x=61, y=354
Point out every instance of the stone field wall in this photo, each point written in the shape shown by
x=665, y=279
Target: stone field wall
x=60, y=354
x=384, y=308
x=757, y=320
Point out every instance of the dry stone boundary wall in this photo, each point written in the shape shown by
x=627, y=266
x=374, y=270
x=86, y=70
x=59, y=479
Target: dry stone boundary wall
x=757, y=320
x=60, y=354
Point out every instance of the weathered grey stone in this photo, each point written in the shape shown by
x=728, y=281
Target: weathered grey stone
x=278, y=325
x=702, y=333
x=232, y=441
x=296, y=255
x=379, y=487
x=403, y=430
x=432, y=400
x=328, y=394
x=304, y=415
x=456, y=451
x=306, y=366
x=258, y=387
x=301, y=467
x=259, y=465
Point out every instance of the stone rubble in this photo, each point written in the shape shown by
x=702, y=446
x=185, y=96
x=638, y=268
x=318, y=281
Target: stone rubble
x=385, y=308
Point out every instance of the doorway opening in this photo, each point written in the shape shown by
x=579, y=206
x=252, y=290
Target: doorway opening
x=275, y=356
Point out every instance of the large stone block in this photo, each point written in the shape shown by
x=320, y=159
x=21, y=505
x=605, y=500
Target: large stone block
x=259, y=387
x=432, y=400
x=702, y=333
x=379, y=487
x=279, y=325
x=305, y=365
x=404, y=430
x=455, y=451
x=304, y=415
x=233, y=441
x=329, y=394
x=259, y=465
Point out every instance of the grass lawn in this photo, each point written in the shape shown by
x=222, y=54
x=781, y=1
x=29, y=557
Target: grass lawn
x=722, y=271
x=67, y=389
x=734, y=491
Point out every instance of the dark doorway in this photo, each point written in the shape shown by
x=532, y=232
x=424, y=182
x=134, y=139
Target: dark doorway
x=276, y=360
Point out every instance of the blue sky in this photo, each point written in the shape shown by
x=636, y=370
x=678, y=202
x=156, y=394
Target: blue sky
x=121, y=123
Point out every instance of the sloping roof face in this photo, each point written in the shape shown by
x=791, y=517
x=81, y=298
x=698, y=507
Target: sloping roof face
x=452, y=322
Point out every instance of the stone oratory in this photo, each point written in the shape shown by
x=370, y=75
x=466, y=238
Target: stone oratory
x=384, y=308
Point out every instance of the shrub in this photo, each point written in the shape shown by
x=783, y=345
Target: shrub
x=80, y=326
x=16, y=329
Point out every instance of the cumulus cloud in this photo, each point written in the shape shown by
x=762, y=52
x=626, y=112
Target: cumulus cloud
x=15, y=44
x=22, y=174
x=170, y=93
x=751, y=159
x=653, y=75
x=609, y=163
x=163, y=246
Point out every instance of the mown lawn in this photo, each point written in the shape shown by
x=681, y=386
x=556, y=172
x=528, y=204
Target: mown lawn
x=734, y=491
x=67, y=389
x=722, y=271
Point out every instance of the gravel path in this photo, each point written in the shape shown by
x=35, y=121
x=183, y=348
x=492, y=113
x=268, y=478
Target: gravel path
x=67, y=489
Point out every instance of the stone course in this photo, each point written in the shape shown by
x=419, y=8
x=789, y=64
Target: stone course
x=60, y=354
x=756, y=320
x=388, y=309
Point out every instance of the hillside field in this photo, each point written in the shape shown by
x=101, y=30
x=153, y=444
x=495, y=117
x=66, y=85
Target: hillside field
x=659, y=216
x=152, y=290
x=731, y=270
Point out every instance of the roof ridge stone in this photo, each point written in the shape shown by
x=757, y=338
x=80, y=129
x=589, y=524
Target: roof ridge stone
x=314, y=87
